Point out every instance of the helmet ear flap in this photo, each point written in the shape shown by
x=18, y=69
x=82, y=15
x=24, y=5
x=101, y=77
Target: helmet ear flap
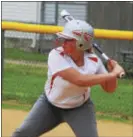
x=80, y=42
x=79, y=45
x=84, y=41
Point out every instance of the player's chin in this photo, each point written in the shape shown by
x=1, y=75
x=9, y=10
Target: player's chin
x=69, y=53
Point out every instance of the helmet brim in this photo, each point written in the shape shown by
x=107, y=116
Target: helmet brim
x=62, y=35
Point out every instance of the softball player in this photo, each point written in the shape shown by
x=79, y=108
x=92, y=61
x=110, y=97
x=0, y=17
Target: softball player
x=72, y=70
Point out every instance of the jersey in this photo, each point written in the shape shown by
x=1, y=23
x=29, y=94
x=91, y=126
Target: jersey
x=62, y=93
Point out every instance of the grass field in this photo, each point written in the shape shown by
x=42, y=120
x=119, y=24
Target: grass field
x=25, y=83
x=17, y=54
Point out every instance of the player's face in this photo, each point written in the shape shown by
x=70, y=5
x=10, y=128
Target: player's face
x=69, y=46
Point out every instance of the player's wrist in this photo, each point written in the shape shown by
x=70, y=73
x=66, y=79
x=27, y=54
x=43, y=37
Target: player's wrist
x=113, y=74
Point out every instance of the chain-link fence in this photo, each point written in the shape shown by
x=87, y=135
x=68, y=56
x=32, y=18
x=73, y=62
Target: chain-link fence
x=29, y=41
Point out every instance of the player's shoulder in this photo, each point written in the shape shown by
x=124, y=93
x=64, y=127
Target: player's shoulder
x=56, y=51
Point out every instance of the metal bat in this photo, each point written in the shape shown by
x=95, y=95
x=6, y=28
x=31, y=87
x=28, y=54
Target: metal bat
x=68, y=17
x=98, y=48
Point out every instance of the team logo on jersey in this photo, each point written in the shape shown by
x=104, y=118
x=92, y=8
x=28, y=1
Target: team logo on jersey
x=86, y=35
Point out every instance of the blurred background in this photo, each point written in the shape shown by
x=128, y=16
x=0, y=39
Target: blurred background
x=25, y=54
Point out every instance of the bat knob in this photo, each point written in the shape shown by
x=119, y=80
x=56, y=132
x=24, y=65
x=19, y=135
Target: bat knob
x=122, y=74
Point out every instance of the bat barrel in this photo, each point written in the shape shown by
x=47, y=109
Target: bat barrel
x=66, y=15
x=97, y=47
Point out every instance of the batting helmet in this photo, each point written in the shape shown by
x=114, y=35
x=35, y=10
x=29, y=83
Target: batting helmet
x=79, y=30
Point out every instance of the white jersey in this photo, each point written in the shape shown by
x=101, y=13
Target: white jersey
x=62, y=93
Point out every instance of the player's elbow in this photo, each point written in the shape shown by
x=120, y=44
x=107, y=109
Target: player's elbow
x=110, y=85
x=109, y=89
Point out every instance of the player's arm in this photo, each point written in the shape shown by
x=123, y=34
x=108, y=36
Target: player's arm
x=59, y=66
x=111, y=84
x=114, y=67
x=79, y=79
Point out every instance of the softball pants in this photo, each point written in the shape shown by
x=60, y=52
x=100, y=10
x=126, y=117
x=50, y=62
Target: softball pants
x=43, y=117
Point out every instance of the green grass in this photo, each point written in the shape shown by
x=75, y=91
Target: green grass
x=25, y=83
x=117, y=103
x=17, y=54
x=16, y=107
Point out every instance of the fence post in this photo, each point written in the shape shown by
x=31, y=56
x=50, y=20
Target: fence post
x=42, y=21
x=2, y=52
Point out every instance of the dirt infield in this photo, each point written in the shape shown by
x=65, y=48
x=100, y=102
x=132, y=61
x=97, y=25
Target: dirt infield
x=11, y=119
